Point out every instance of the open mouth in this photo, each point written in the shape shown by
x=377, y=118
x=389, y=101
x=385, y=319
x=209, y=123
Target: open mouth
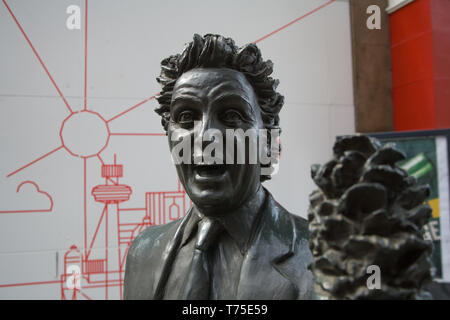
x=211, y=170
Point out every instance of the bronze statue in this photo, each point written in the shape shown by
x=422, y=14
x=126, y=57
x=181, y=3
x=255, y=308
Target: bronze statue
x=368, y=212
x=236, y=241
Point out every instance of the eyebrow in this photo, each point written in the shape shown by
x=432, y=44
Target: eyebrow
x=226, y=96
x=231, y=96
x=186, y=97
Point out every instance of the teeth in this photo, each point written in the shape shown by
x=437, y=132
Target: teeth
x=210, y=170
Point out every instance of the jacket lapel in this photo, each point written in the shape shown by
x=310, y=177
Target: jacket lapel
x=262, y=274
x=172, y=241
x=275, y=266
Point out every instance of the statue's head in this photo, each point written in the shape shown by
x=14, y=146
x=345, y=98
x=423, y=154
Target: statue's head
x=214, y=85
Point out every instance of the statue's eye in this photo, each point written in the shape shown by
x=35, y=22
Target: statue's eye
x=232, y=116
x=185, y=117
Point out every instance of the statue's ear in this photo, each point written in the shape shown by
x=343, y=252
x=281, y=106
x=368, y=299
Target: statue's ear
x=270, y=152
x=267, y=148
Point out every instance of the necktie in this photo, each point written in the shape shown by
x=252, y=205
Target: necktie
x=197, y=283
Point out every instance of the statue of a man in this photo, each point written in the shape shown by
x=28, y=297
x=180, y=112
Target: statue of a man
x=236, y=241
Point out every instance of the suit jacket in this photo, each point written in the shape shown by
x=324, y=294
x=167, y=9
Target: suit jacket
x=275, y=266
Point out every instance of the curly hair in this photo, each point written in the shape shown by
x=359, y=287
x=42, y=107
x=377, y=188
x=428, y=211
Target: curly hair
x=216, y=51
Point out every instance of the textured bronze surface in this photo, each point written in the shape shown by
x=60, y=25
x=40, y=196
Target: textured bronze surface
x=365, y=212
x=368, y=212
x=267, y=245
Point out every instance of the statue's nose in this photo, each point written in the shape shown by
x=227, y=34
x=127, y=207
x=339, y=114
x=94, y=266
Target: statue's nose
x=204, y=133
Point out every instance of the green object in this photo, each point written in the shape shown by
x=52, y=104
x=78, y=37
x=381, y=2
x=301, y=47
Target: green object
x=417, y=166
x=421, y=162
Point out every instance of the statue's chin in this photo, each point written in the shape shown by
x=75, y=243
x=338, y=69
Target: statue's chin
x=222, y=192
x=211, y=201
x=210, y=192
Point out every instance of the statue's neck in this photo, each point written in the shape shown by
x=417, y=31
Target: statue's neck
x=239, y=222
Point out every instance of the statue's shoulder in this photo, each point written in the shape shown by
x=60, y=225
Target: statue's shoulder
x=150, y=237
x=144, y=257
x=301, y=226
x=298, y=223
x=296, y=266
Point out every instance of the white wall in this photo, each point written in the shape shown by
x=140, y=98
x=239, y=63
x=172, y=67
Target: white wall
x=126, y=42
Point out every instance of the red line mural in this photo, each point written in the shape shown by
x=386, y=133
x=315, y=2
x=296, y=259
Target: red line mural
x=86, y=134
x=119, y=226
x=39, y=191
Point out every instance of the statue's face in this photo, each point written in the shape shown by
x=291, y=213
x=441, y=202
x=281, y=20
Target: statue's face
x=215, y=98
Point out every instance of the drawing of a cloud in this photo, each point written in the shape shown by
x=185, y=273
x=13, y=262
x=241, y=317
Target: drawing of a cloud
x=28, y=198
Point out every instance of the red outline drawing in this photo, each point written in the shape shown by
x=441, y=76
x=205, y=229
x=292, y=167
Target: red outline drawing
x=118, y=232
x=160, y=206
x=33, y=210
x=38, y=57
x=34, y=161
x=80, y=112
